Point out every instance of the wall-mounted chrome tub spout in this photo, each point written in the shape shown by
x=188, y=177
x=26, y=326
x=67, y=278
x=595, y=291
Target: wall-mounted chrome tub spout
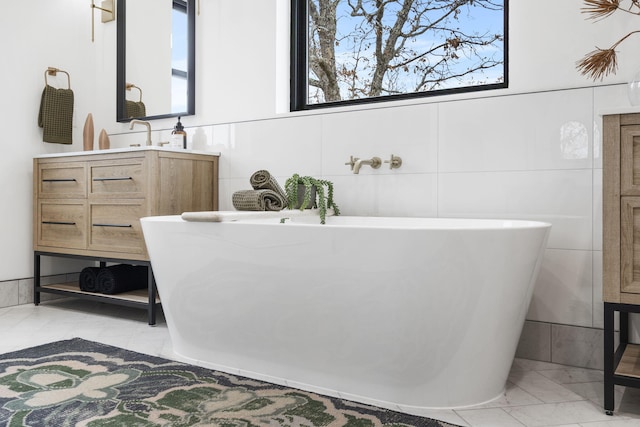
x=395, y=162
x=148, y=126
x=374, y=162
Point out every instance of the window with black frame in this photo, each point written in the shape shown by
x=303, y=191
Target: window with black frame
x=357, y=51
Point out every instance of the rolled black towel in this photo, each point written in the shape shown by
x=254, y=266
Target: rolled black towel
x=88, y=279
x=120, y=278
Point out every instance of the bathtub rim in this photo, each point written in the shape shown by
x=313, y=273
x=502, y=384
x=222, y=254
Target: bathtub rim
x=382, y=222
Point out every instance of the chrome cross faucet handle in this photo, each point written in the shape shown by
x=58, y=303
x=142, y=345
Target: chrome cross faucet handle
x=395, y=162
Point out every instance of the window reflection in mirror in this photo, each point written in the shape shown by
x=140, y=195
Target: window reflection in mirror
x=179, y=56
x=156, y=64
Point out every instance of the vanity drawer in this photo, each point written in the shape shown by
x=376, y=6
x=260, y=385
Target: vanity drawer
x=630, y=160
x=629, y=247
x=115, y=227
x=121, y=179
x=62, y=224
x=62, y=180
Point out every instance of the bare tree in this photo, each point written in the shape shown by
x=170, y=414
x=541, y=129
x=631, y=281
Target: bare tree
x=385, y=49
x=322, y=54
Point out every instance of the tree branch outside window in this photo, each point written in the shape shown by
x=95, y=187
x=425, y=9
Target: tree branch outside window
x=362, y=50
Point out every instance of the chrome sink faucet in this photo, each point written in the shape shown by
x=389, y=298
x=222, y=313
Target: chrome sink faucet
x=147, y=124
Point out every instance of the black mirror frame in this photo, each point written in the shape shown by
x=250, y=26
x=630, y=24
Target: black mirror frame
x=121, y=65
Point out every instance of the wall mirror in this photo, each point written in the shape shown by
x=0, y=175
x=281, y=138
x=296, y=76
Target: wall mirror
x=155, y=59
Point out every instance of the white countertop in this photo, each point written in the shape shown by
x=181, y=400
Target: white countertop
x=127, y=149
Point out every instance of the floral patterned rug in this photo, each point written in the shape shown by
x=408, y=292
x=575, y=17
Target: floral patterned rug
x=88, y=384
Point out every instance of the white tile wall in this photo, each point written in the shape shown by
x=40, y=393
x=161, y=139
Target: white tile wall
x=598, y=308
x=541, y=131
x=410, y=132
x=561, y=197
x=597, y=209
x=564, y=291
x=283, y=147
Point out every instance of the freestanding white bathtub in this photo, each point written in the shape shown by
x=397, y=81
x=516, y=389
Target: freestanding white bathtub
x=403, y=313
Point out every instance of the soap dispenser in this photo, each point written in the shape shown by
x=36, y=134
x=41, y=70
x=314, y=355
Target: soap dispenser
x=179, y=132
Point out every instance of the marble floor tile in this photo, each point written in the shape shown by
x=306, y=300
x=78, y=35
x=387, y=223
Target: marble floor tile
x=543, y=388
x=538, y=394
x=614, y=423
x=552, y=414
x=569, y=375
x=513, y=396
x=489, y=417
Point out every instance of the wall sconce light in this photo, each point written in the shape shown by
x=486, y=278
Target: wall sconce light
x=108, y=13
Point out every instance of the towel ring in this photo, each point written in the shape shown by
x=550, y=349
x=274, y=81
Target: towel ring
x=54, y=71
x=130, y=86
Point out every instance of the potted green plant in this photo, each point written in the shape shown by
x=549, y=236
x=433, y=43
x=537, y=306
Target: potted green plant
x=306, y=192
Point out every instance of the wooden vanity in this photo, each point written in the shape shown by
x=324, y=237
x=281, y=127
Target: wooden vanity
x=621, y=249
x=88, y=204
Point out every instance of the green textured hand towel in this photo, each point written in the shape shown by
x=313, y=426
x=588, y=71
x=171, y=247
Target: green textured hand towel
x=56, y=115
x=135, y=109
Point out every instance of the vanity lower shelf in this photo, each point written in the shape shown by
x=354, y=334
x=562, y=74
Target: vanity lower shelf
x=629, y=365
x=142, y=298
x=135, y=297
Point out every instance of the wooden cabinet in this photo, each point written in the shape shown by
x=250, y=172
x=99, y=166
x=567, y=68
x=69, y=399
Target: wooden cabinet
x=89, y=204
x=621, y=248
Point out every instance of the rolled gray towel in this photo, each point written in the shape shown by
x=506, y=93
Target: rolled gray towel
x=263, y=180
x=258, y=200
x=89, y=279
x=122, y=278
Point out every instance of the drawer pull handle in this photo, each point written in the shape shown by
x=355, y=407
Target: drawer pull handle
x=59, y=180
x=113, y=225
x=126, y=178
x=58, y=223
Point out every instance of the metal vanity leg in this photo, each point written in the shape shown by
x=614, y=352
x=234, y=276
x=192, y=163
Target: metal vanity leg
x=151, y=309
x=609, y=358
x=36, y=278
